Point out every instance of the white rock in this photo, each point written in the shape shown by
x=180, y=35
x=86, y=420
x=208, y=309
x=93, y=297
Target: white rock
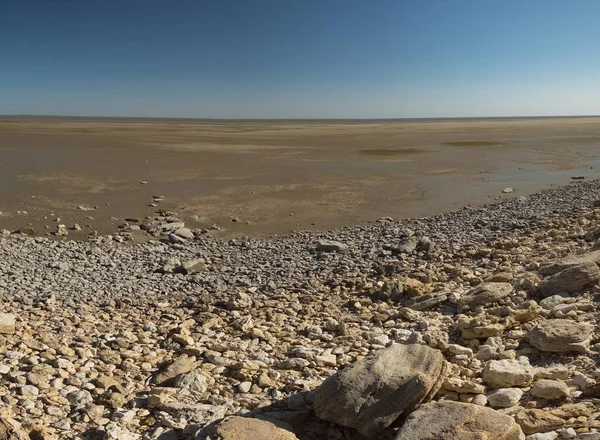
x=7, y=323
x=508, y=373
x=505, y=397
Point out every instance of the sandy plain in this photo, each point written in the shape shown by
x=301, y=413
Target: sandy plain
x=277, y=176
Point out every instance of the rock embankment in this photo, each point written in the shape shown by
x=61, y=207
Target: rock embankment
x=482, y=323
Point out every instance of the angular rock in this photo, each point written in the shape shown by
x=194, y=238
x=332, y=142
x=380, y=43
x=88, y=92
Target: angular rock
x=550, y=389
x=571, y=280
x=167, y=374
x=406, y=246
x=447, y=420
x=536, y=420
x=485, y=294
x=371, y=394
x=331, y=246
x=561, y=336
x=507, y=373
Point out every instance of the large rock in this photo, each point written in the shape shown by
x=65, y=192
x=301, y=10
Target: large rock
x=371, y=394
x=485, y=294
x=571, y=261
x=507, y=373
x=244, y=428
x=448, y=420
x=570, y=280
x=561, y=336
x=7, y=323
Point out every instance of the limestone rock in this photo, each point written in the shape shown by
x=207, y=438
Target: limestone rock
x=571, y=261
x=168, y=373
x=331, y=246
x=371, y=394
x=7, y=323
x=561, y=336
x=243, y=428
x=505, y=397
x=508, y=373
x=571, y=280
x=447, y=420
x=536, y=420
x=485, y=294
x=550, y=389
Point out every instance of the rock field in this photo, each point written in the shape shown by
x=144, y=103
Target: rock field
x=475, y=324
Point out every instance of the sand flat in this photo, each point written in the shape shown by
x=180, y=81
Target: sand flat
x=278, y=176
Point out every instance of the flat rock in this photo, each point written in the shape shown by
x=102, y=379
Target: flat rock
x=561, y=336
x=507, y=373
x=448, y=420
x=331, y=246
x=485, y=294
x=571, y=280
x=371, y=394
x=534, y=420
x=571, y=261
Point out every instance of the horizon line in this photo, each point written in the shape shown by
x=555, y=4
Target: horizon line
x=191, y=118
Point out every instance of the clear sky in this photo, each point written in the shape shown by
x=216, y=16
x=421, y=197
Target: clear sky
x=300, y=58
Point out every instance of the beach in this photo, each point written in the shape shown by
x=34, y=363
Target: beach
x=275, y=177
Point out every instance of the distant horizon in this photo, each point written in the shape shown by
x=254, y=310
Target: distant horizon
x=215, y=119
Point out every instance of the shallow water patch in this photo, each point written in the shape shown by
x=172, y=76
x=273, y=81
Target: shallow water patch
x=472, y=143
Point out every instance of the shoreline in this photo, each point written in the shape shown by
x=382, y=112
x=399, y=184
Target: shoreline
x=276, y=179
x=163, y=339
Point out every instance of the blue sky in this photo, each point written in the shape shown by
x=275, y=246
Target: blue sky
x=300, y=58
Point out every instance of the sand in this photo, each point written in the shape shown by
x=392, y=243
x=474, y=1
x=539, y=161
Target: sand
x=278, y=177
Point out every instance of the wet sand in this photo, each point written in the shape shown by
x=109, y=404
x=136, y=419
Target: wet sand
x=277, y=177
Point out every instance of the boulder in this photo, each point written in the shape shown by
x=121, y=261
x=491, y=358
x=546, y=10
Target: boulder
x=507, y=373
x=448, y=420
x=561, y=336
x=571, y=280
x=244, y=428
x=371, y=394
x=485, y=294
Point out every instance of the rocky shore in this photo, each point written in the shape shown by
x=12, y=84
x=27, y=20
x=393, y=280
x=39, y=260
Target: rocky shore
x=478, y=323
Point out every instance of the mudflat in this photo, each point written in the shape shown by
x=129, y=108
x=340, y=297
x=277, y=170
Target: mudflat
x=276, y=177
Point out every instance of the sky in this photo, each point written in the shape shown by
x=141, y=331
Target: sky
x=300, y=58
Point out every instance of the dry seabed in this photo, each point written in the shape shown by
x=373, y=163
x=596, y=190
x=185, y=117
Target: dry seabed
x=479, y=323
